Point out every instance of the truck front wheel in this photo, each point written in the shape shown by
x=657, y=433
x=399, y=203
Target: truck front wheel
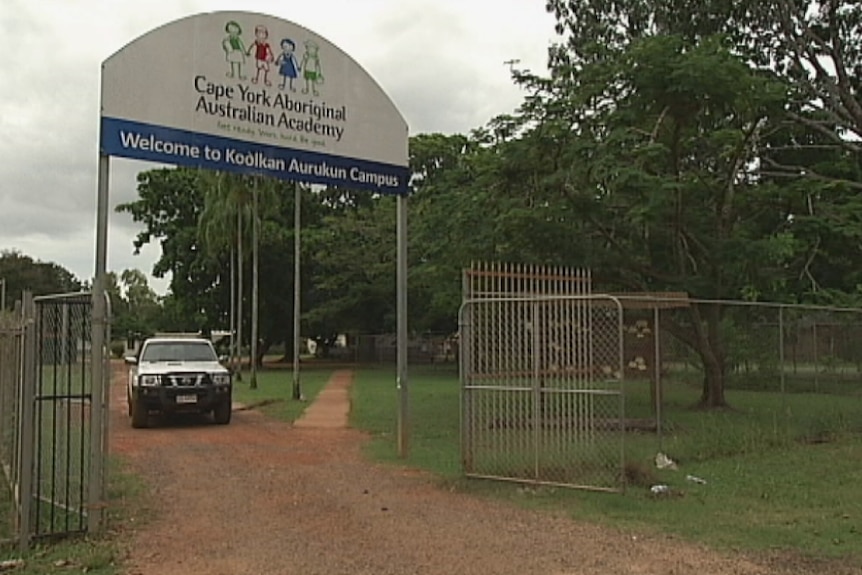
x=222, y=412
x=139, y=414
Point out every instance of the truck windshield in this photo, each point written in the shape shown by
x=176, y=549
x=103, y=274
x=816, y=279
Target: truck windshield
x=178, y=351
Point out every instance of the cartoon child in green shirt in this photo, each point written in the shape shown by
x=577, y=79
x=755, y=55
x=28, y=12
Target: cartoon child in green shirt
x=234, y=49
x=311, y=69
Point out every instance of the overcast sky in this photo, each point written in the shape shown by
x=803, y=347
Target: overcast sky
x=441, y=62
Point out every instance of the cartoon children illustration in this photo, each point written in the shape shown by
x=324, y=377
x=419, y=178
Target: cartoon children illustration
x=287, y=64
x=234, y=49
x=262, y=53
x=311, y=70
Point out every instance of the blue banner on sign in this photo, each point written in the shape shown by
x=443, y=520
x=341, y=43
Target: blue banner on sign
x=141, y=141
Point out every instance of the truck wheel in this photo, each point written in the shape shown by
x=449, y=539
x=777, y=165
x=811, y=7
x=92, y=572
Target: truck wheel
x=222, y=412
x=139, y=414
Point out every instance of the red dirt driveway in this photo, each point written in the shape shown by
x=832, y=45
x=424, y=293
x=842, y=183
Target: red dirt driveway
x=263, y=497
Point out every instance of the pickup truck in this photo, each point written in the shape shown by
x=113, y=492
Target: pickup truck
x=178, y=375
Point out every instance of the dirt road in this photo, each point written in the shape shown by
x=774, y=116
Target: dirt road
x=264, y=497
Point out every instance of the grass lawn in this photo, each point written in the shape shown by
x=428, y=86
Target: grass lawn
x=274, y=393
x=782, y=471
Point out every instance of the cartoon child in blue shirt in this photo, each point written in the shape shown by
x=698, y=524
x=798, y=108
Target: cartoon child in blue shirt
x=288, y=67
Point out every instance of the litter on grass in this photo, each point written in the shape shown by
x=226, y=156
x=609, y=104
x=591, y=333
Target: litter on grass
x=662, y=461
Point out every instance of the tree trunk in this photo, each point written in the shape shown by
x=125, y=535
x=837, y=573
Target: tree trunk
x=714, y=378
x=262, y=349
x=239, y=288
x=713, y=355
x=288, y=346
x=233, y=344
x=703, y=336
x=255, y=258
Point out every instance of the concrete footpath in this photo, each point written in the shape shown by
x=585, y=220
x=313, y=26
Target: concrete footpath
x=331, y=407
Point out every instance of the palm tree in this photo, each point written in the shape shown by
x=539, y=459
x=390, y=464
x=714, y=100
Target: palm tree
x=233, y=202
x=262, y=189
x=221, y=227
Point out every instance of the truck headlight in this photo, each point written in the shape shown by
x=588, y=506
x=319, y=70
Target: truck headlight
x=149, y=380
x=221, y=379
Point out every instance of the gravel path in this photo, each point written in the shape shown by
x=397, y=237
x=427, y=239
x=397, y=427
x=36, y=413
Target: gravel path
x=264, y=497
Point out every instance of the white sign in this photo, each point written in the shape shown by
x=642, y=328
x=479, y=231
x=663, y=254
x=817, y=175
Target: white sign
x=245, y=92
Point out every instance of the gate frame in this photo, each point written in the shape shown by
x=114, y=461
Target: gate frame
x=24, y=457
x=466, y=399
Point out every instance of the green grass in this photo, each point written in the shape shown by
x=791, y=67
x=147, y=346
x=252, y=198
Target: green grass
x=758, y=421
x=62, y=466
x=274, y=393
x=6, y=510
x=434, y=414
x=783, y=471
x=98, y=555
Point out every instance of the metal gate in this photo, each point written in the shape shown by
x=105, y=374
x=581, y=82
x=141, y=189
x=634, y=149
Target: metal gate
x=541, y=379
x=54, y=403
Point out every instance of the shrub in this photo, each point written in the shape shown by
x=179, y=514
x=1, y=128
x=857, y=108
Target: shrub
x=118, y=348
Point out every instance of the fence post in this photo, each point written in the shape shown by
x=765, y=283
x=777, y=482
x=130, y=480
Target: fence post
x=536, y=385
x=781, y=346
x=27, y=444
x=659, y=392
x=816, y=355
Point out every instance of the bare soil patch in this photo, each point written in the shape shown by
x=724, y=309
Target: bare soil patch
x=264, y=497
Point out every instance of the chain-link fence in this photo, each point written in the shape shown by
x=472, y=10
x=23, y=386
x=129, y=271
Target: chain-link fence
x=542, y=401
x=722, y=378
x=422, y=349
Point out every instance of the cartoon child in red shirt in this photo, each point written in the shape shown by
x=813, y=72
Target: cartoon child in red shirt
x=262, y=53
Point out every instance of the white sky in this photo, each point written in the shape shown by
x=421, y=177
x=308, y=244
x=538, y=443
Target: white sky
x=441, y=62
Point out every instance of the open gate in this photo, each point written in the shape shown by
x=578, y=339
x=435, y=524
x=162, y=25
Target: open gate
x=53, y=419
x=541, y=378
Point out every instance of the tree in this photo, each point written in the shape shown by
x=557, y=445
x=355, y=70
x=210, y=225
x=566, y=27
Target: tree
x=644, y=145
x=143, y=303
x=668, y=145
x=21, y=272
x=817, y=48
x=169, y=205
x=198, y=218
x=453, y=221
x=222, y=228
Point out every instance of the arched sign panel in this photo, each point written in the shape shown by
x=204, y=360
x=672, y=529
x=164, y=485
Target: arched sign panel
x=250, y=93
x=246, y=92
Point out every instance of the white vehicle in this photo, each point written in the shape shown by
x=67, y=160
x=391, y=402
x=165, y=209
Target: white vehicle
x=178, y=374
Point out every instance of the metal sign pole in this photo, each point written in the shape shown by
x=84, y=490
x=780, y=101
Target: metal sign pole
x=297, y=283
x=97, y=342
x=401, y=288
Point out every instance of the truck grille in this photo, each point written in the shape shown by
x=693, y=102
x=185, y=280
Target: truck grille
x=185, y=379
